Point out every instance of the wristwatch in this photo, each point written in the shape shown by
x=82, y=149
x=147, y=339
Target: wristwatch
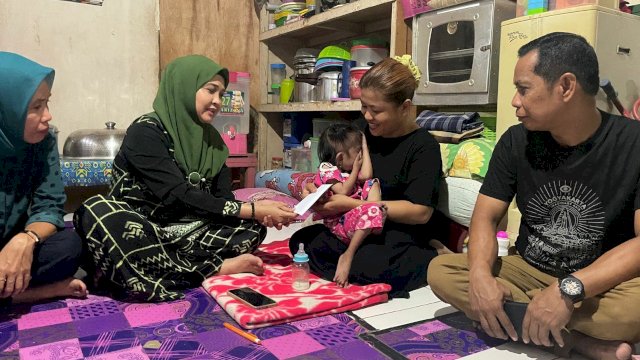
x=572, y=288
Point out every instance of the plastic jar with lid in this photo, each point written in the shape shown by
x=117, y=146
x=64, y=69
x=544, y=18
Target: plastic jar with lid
x=277, y=163
x=278, y=73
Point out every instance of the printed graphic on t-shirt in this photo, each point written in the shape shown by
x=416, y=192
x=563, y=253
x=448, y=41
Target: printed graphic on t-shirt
x=566, y=219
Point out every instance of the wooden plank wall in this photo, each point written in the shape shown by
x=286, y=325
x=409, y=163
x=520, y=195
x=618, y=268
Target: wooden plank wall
x=224, y=30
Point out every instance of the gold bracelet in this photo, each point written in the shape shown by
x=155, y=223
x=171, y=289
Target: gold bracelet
x=253, y=211
x=32, y=234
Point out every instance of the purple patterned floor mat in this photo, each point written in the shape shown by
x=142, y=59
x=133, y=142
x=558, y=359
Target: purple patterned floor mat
x=447, y=337
x=191, y=328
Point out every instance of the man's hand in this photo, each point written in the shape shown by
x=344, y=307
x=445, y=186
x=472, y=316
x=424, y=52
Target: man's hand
x=486, y=298
x=15, y=265
x=548, y=312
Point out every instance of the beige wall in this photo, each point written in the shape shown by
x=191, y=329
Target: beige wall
x=106, y=57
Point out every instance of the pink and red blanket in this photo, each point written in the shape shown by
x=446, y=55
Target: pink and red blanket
x=323, y=297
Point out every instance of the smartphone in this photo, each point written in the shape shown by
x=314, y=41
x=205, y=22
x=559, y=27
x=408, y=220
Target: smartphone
x=251, y=297
x=515, y=312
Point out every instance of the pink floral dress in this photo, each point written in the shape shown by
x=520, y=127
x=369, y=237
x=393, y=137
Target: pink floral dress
x=367, y=216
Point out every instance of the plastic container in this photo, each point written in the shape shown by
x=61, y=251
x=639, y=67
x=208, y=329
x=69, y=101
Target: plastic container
x=503, y=243
x=365, y=55
x=276, y=163
x=236, y=142
x=286, y=90
x=300, y=270
x=301, y=159
x=356, y=74
x=235, y=110
x=286, y=155
x=278, y=73
x=275, y=93
x=315, y=161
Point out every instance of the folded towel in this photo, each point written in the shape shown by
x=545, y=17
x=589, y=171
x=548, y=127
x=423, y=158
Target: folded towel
x=456, y=123
x=322, y=298
x=455, y=138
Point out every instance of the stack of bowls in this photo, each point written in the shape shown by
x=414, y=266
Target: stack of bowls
x=331, y=58
x=289, y=11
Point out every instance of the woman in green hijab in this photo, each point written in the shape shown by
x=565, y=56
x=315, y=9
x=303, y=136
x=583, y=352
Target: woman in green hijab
x=37, y=261
x=171, y=220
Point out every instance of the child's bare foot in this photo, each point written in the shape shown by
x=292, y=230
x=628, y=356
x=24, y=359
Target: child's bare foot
x=342, y=270
x=245, y=263
x=601, y=349
x=440, y=248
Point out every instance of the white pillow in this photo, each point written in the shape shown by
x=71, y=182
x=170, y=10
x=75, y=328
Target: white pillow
x=457, y=198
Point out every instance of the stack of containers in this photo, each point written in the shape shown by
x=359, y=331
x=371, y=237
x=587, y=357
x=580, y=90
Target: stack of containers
x=303, y=67
x=366, y=53
x=329, y=68
x=289, y=11
x=233, y=119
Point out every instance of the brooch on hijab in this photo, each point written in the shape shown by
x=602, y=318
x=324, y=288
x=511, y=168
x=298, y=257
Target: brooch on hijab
x=195, y=178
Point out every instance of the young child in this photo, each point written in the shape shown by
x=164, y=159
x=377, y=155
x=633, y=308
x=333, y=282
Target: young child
x=345, y=163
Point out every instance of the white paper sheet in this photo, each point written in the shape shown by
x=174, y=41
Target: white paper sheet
x=311, y=199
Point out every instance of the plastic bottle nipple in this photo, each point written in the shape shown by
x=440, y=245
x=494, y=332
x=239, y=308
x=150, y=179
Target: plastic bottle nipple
x=301, y=256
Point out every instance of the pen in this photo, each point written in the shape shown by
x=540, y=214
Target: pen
x=244, y=334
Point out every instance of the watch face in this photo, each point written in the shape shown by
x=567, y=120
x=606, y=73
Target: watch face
x=571, y=287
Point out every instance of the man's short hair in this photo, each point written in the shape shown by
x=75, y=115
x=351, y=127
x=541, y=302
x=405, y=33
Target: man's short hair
x=561, y=52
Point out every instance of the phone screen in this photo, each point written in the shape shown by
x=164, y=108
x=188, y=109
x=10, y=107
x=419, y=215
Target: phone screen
x=516, y=311
x=251, y=297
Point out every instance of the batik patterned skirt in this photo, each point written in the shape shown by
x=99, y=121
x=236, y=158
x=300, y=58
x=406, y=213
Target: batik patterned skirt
x=143, y=261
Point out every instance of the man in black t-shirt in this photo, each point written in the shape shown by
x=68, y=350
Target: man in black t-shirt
x=575, y=173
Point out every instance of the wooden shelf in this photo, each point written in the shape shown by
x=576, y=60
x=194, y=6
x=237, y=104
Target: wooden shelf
x=349, y=19
x=380, y=19
x=351, y=105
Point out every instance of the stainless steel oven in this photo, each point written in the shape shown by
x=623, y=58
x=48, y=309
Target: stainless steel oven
x=457, y=49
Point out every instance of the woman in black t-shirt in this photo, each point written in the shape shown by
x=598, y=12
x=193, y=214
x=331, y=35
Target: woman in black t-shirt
x=406, y=159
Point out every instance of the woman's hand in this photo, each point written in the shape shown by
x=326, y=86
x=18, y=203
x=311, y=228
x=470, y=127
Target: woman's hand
x=357, y=164
x=15, y=265
x=274, y=213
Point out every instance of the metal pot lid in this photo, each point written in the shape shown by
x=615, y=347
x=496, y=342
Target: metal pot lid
x=94, y=143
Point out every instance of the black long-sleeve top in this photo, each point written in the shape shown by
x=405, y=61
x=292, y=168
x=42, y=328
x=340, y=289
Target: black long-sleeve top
x=148, y=177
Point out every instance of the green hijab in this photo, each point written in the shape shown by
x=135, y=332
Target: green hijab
x=199, y=148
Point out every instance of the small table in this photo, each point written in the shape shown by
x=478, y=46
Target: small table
x=247, y=161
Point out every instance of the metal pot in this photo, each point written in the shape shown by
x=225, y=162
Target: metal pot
x=304, y=90
x=94, y=143
x=328, y=86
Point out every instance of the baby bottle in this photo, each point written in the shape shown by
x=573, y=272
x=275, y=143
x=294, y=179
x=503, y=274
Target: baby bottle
x=503, y=243
x=300, y=270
